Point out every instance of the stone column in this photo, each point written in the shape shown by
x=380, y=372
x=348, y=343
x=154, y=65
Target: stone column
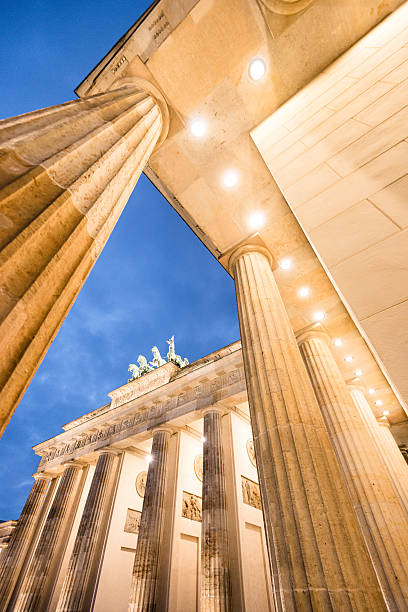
x=380, y=514
x=387, y=446
x=66, y=173
x=11, y=560
x=37, y=583
x=82, y=574
x=215, y=571
x=317, y=553
x=143, y=593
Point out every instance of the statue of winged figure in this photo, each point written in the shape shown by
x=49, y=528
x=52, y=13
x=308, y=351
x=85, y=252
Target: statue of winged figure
x=173, y=357
x=157, y=358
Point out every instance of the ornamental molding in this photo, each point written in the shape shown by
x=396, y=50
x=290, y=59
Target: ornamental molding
x=146, y=384
x=128, y=421
x=286, y=7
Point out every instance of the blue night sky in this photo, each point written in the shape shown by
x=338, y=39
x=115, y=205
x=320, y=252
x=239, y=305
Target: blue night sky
x=154, y=277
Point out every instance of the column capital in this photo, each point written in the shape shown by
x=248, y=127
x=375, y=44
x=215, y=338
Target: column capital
x=73, y=463
x=164, y=428
x=153, y=90
x=314, y=331
x=108, y=451
x=383, y=421
x=221, y=410
x=43, y=476
x=252, y=244
x=354, y=386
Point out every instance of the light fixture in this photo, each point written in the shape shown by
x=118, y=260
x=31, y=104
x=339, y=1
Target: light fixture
x=198, y=127
x=256, y=220
x=319, y=315
x=348, y=358
x=378, y=402
x=358, y=372
x=304, y=292
x=338, y=342
x=285, y=263
x=386, y=412
x=257, y=68
x=149, y=458
x=371, y=391
x=230, y=178
x=203, y=439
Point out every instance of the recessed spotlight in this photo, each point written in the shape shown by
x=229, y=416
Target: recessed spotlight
x=304, y=292
x=285, y=263
x=198, y=127
x=348, y=358
x=319, y=315
x=386, y=412
x=257, y=220
x=338, y=342
x=358, y=372
x=257, y=69
x=230, y=178
x=371, y=391
x=203, y=439
x=149, y=458
x=378, y=402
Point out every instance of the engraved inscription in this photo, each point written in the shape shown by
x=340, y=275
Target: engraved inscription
x=250, y=493
x=132, y=522
x=191, y=506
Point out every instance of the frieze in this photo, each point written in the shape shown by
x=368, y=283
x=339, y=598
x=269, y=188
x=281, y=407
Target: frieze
x=201, y=395
x=132, y=523
x=192, y=507
x=250, y=493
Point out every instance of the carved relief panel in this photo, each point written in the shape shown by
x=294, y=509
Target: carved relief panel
x=132, y=522
x=250, y=493
x=192, y=506
x=141, y=483
x=198, y=467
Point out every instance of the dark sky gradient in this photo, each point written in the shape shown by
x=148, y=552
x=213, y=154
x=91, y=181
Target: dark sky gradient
x=154, y=277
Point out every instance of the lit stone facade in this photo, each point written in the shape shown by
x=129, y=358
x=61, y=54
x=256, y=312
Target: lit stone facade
x=317, y=153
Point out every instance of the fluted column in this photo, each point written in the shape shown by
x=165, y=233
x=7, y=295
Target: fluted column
x=81, y=577
x=387, y=446
x=380, y=514
x=11, y=560
x=35, y=588
x=143, y=593
x=215, y=571
x=66, y=173
x=317, y=554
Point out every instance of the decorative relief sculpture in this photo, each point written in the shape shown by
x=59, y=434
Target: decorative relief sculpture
x=250, y=493
x=198, y=467
x=141, y=483
x=191, y=506
x=251, y=451
x=145, y=368
x=132, y=522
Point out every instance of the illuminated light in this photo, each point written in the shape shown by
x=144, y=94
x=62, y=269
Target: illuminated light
x=386, y=412
x=378, y=402
x=198, y=128
x=338, y=342
x=371, y=391
x=203, y=439
x=257, y=220
x=257, y=69
x=304, y=292
x=348, y=358
x=358, y=372
x=319, y=316
x=149, y=458
x=230, y=178
x=285, y=263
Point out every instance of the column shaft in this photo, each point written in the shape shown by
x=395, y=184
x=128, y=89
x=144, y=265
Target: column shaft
x=381, y=517
x=66, y=173
x=11, y=560
x=37, y=583
x=387, y=446
x=143, y=594
x=81, y=577
x=317, y=554
x=215, y=571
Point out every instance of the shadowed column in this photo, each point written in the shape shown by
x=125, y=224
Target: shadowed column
x=35, y=588
x=317, y=553
x=143, y=593
x=11, y=560
x=66, y=173
x=387, y=446
x=376, y=503
x=80, y=581
x=215, y=571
